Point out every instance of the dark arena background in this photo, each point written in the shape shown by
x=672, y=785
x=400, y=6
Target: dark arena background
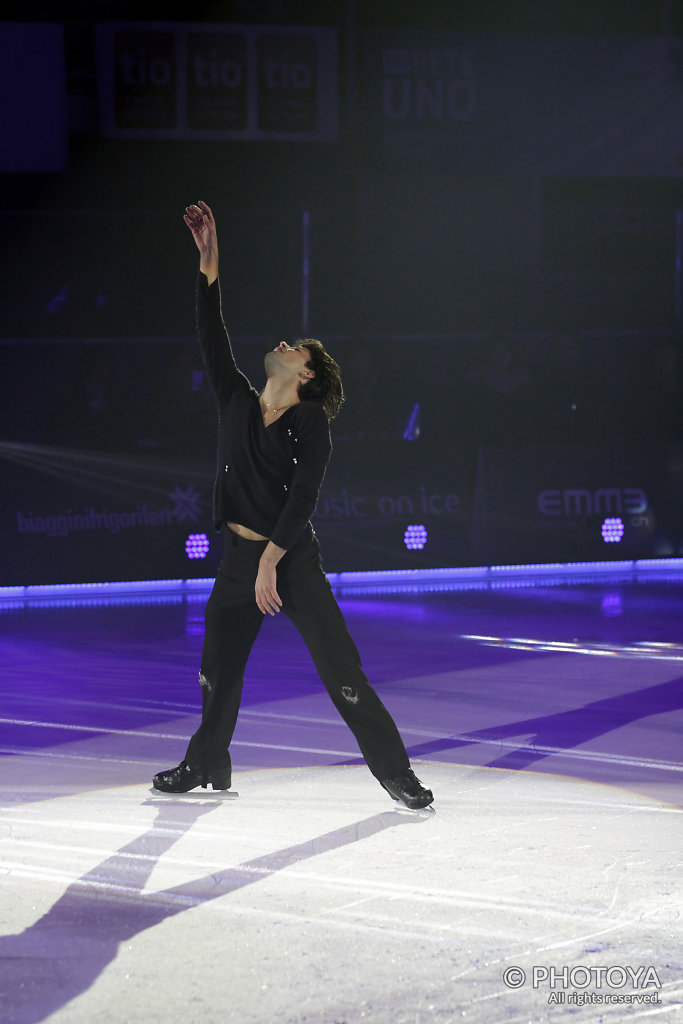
x=477, y=205
x=479, y=210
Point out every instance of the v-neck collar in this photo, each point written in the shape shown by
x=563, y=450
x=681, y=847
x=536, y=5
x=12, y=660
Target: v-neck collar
x=282, y=414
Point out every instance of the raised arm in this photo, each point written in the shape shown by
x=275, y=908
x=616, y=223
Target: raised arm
x=199, y=220
x=213, y=335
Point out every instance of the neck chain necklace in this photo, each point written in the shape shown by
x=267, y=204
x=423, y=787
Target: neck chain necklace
x=273, y=410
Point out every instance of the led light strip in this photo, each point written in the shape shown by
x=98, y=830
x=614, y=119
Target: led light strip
x=416, y=579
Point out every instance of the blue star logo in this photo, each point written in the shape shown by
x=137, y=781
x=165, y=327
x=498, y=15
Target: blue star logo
x=187, y=503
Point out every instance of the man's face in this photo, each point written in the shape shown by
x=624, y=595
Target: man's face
x=287, y=359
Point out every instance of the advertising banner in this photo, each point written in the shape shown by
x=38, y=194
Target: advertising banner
x=69, y=516
x=216, y=94
x=77, y=517
x=527, y=104
x=392, y=504
x=569, y=503
x=184, y=81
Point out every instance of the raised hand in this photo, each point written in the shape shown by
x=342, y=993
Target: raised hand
x=199, y=220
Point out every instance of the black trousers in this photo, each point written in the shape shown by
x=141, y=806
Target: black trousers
x=232, y=622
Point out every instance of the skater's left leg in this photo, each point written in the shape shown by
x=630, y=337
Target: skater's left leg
x=310, y=604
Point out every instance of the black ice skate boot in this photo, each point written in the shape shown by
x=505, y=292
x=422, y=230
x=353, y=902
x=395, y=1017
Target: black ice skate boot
x=184, y=777
x=408, y=788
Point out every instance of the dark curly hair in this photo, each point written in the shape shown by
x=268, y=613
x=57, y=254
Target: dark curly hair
x=326, y=386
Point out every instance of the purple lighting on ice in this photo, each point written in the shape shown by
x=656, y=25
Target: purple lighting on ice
x=612, y=530
x=197, y=545
x=415, y=537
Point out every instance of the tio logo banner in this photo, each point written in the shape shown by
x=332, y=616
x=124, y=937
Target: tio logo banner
x=177, y=81
x=217, y=72
x=146, y=80
x=287, y=79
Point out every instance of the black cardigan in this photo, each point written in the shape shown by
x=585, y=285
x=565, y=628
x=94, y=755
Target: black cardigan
x=268, y=478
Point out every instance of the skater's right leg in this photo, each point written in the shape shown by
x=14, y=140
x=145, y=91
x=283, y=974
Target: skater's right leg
x=232, y=622
x=229, y=636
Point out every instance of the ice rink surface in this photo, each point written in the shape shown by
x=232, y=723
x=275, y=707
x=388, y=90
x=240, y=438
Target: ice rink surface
x=544, y=884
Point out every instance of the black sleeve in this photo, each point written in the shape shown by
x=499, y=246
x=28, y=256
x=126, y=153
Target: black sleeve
x=214, y=340
x=312, y=447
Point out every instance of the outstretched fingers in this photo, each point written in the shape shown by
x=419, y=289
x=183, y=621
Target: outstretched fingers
x=206, y=210
x=198, y=216
x=193, y=216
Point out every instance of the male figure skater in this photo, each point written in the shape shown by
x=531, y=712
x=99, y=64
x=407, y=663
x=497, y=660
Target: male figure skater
x=273, y=449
